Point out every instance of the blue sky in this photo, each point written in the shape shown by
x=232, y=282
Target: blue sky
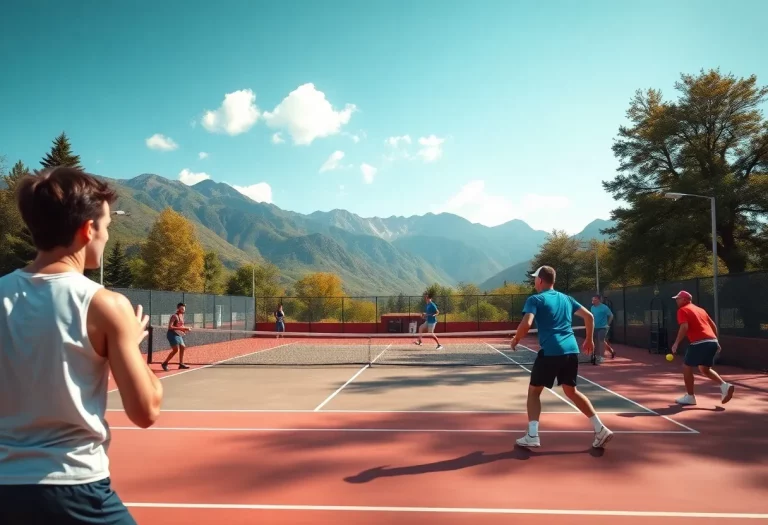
x=509, y=107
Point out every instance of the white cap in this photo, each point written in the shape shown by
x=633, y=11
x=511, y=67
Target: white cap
x=536, y=273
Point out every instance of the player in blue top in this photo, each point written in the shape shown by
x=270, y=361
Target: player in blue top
x=430, y=314
x=558, y=356
x=603, y=318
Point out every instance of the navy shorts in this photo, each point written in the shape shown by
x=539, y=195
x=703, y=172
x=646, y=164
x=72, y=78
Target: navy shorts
x=92, y=503
x=175, y=339
x=701, y=354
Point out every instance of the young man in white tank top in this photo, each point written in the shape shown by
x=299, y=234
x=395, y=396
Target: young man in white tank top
x=60, y=335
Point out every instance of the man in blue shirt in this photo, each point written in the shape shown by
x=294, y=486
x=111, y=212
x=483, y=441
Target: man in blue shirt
x=558, y=356
x=603, y=318
x=431, y=314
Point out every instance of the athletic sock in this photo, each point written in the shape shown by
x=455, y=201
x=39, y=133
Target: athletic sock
x=596, y=422
x=533, y=428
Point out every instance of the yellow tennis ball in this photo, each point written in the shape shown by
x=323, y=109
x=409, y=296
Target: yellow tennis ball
x=670, y=357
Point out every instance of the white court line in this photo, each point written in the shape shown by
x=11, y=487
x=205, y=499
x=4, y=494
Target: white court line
x=528, y=370
x=390, y=430
x=327, y=399
x=458, y=510
x=689, y=429
x=181, y=372
x=641, y=406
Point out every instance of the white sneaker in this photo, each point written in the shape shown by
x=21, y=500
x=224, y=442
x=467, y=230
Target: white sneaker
x=602, y=437
x=529, y=441
x=726, y=389
x=687, y=399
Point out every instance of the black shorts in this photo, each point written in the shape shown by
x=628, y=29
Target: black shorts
x=701, y=354
x=547, y=368
x=91, y=503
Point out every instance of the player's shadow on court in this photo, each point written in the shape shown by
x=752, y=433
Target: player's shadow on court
x=473, y=459
x=671, y=410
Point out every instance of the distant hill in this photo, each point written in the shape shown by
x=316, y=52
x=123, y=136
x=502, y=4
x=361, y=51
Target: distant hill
x=520, y=272
x=373, y=256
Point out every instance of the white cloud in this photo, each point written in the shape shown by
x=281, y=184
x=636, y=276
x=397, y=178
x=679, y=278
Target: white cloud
x=432, y=148
x=369, y=172
x=161, y=142
x=333, y=161
x=277, y=138
x=261, y=192
x=476, y=204
x=307, y=115
x=202, y=155
x=189, y=178
x=237, y=114
x=395, y=141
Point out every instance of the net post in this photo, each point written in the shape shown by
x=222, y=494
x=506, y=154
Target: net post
x=151, y=329
x=370, y=354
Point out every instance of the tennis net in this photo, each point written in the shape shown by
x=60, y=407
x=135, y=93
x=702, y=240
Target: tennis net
x=213, y=347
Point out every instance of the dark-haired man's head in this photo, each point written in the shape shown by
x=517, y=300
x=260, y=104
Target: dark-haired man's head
x=596, y=299
x=427, y=297
x=67, y=212
x=544, y=278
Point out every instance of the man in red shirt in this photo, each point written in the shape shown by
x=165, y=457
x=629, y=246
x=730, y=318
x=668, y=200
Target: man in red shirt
x=695, y=323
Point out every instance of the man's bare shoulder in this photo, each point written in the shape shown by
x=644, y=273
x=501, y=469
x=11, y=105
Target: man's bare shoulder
x=109, y=305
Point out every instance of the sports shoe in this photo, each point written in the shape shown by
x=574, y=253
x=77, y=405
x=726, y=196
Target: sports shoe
x=439, y=347
x=687, y=399
x=602, y=437
x=726, y=389
x=529, y=441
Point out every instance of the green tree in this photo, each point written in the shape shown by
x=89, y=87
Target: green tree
x=266, y=278
x=117, y=272
x=712, y=141
x=561, y=252
x=61, y=154
x=213, y=272
x=172, y=258
x=16, y=246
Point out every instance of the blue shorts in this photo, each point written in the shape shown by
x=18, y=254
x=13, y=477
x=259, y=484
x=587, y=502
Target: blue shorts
x=280, y=326
x=701, y=354
x=175, y=339
x=92, y=503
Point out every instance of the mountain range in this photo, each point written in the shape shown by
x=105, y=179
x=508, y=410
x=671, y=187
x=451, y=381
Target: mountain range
x=373, y=256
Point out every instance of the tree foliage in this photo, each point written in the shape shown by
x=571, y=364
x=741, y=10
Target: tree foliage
x=172, y=258
x=16, y=246
x=117, y=272
x=319, y=295
x=61, y=154
x=712, y=141
x=213, y=274
x=265, y=277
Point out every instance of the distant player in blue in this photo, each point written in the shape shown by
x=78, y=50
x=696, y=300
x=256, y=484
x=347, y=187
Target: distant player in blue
x=603, y=317
x=558, y=355
x=430, y=314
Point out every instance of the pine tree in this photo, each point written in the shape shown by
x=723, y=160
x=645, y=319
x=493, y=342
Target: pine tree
x=16, y=246
x=117, y=273
x=61, y=154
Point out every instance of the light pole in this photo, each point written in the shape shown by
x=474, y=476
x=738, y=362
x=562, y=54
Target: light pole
x=101, y=263
x=593, y=243
x=676, y=196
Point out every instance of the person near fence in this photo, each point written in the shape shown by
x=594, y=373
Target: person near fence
x=696, y=324
x=60, y=336
x=430, y=323
x=175, y=333
x=279, y=320
x=603, y=318
x=558, y=356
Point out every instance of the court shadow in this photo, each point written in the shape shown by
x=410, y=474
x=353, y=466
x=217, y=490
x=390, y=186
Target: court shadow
x=671, y=410
x=473, y=459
